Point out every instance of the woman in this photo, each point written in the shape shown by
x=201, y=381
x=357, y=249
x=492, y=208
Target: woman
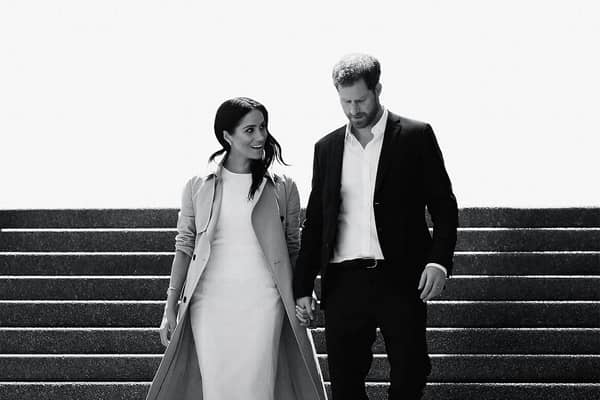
x=229, y=323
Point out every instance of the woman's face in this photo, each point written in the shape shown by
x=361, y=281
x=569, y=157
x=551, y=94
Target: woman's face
x=249, y=137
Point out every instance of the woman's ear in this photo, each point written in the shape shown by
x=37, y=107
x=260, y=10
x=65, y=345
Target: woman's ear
x=227, y=137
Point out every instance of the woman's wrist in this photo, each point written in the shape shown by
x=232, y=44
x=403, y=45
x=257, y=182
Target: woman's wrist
x=172, y=299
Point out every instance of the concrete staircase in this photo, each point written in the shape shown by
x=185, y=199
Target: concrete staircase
x=82, y=291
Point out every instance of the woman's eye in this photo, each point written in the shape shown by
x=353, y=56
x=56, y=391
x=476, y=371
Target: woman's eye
x=250, y=130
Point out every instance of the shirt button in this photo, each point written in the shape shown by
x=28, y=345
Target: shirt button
x=184, y=299
x=194, y=257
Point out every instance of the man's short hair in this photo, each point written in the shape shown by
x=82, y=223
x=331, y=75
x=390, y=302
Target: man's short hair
x=354, y=67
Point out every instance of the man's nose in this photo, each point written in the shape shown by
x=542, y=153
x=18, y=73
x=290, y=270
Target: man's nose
x=354, y=109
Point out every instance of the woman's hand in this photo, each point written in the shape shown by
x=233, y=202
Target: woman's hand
x=305, y=308
x=168, y=325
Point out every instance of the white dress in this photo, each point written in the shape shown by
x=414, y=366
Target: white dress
x=236, y=313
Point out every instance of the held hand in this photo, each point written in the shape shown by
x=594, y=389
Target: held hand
x=432, y=283
x=305, y=309
x=167, y=326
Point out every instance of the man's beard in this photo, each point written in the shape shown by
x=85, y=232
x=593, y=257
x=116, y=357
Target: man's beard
x=367, y=120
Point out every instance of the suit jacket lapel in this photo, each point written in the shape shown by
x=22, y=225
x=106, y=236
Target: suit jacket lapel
x=334, y=164
x=388, y=150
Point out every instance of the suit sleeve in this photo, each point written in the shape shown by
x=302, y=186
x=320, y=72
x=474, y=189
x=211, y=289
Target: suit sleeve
x=440, y=202
x=308, y=263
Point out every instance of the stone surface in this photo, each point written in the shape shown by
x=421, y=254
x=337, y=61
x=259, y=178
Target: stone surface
x=85, y=264
x=81, y=313
x=525, y=239
x=166, y=218
x=441, y=341
x=88, y=241
x=514, y=239
x=497, y=341
x=515, y=288
x=80, y=341
x=492, y=263
x=518, y=217
x=478, y=331
x=457, y=314
x=497, y=368
x=89, y=218
x=523, y=263
x=376, y=391
x=445, y=368
x=84, y=288
x=154, y=288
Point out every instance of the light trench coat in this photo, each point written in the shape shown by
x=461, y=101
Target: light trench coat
x=275, y=219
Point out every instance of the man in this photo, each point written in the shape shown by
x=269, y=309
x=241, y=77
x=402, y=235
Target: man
x=366, y=231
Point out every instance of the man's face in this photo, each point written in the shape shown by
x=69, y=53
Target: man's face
x=360, y=104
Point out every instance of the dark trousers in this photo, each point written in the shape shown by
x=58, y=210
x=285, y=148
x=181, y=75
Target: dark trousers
x=358, y=302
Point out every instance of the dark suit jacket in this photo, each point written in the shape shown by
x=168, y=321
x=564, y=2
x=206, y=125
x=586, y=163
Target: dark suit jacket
x=410, y=177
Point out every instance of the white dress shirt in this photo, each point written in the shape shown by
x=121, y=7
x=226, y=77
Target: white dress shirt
x=357, y=232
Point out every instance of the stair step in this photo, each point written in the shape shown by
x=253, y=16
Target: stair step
x=497, y=368
x=74, y=390
x=84, y=288
x=375, y=391
x=441, y=341
x=513, y=314
x=445, y=368
x=477, y=263
x=515, y=288
x=531, y=263
x=154, y=288
x=86, y=264
x=534, y=218
x=89, y=218
x=496, y=239
x=527, y=239
x=522, y=288
x=89, y=240
x=496, y=341
x=165, y=218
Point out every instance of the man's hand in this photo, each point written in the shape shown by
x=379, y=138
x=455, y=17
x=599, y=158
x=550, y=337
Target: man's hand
x=432, y=283
x=305, y=310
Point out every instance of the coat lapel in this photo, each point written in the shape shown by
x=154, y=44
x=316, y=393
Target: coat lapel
x=267, y=225
x=388, y=149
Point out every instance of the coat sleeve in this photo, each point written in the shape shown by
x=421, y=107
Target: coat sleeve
x=440, y=202
x=292, y=220
x=308, y=263
x=186, y=223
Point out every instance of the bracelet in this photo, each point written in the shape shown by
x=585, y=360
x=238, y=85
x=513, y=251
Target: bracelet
x=171, y=288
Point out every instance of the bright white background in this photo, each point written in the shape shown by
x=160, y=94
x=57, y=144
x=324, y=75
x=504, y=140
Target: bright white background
x=111, y=103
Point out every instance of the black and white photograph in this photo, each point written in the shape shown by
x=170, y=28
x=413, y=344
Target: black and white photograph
x=319, y=200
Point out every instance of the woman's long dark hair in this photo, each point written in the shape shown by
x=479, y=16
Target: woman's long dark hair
x=228, y=117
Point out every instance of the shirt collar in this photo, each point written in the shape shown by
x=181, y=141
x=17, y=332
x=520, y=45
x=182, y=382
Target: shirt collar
x=377, y=130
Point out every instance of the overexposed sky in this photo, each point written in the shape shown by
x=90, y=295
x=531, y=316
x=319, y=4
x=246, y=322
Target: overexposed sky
x=111, y=103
